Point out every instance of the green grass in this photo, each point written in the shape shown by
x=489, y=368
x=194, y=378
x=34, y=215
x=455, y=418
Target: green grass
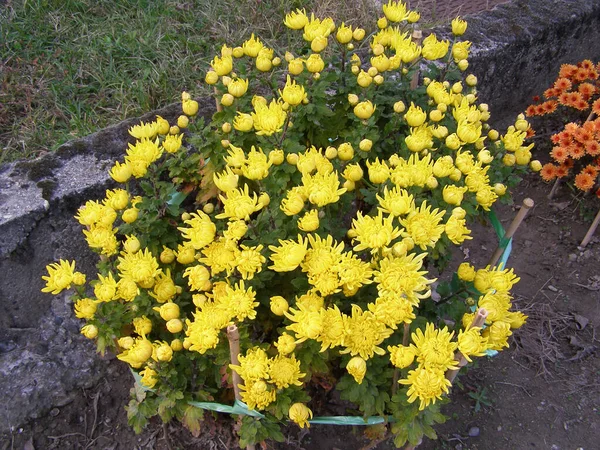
x=71, y=67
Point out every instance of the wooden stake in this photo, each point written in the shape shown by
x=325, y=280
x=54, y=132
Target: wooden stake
x=416, y=37
x=478, y=322
x=527, y=205
x=591, y=231
x=217, y=102
x=233, y=336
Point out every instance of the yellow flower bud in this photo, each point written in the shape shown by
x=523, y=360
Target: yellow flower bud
x=509, y=160
x=353, y=99
x=190, y=107
x=459, y=27
x=457, y=87
x=493, y=135
x=436, y=115
x=292, y=158
x=276, y=157
x=130, y=215
x=211, y=77
x=227, y=100
x=399, y=107
x=300, y=414
x=167, y=256
x=174, y=325
x=237, y=87
x=365, y=145
x=318, y=44
x=415, y=116
x=355, y=70
x=466, y=272
x=364, y=110
x=331, y=152
x=353, y=172
x=500, y=189
x=296, y=66
x=471, y=80
x=358, y=34
x=463, y=64
x=315, y=63
x=208, y=208
x=345, y=152
x=176, y=344
x=382, y=22
x=484, y=156
x=364, y=79
x=344, y=34
x=452, y=141
x=276, y=61
x=183, y=121
x=89, y=331
x=164, y=352
x=357, y=367
x=349, y=185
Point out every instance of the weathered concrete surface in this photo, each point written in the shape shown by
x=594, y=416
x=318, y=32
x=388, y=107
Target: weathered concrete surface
x=517, y=48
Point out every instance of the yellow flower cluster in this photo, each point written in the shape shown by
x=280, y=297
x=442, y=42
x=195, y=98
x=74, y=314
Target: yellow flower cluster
x=307, y=241
x=264, y=377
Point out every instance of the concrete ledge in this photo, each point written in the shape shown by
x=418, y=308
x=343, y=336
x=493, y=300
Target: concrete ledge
x=517, y=50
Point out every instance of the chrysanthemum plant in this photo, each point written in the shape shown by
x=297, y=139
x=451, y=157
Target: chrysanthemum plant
x=304, y=218
x=574, y=102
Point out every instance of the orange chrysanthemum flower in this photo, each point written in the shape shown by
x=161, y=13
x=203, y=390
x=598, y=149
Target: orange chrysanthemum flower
x=592, y=147
x=576, y=151
x=531, y=111
x=549, y=106
x=548, y=172
x=567, y=70
x=562, y=84
x=555, y=138
x=587, y=90
x=559, y=154
x=562, y=171
x=586, y=64
x=584, y=181
x=563, y=99
x=581, y=105
x=580, y=75
x=530, y=132
x=596, y=107
x=568, y=164
x=591, y=170
x=582, y=135
x=551, y=92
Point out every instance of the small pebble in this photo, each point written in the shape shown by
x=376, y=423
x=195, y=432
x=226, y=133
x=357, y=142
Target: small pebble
x=552, y=288
x=54, y=412
x=572, y=257
x=499, y=428
x=474, y=431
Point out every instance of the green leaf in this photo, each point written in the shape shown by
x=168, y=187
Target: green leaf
x=192, y=419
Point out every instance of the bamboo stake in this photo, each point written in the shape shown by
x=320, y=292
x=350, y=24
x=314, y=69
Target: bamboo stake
x=233, y=336
x=416, y=37
x=527, y=205
x=217, y=102
x=591, y=231
x=478, y=322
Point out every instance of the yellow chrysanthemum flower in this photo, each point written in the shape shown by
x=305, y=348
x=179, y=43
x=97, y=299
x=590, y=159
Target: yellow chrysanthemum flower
x=257, y=394
x=309, y=221
x=249, y=261
x=60, y=276
x=226, y=180
x=293, y=93
x=105, y=289
x=145, y=130
x=164, y=287
x=284, y=371
x=434, y=49
x=395, y=11
x=392, y=310
x=427, y=385
x=296, y=20
x=238, y=204
x=434, y=348
x=138, y=354
x=471, y=343
x=288, y=255
x=268, y=119
x=198, y=278
x=364, y=335
x=149, y=377
x=401, y=275
x=401, y=356
x=322, y=188
x=256, y=166
x=306, y=324
x=456, y=230
x=201, y=230
x=396, y=201
x=423, y=225
x=141, y=266
x=220, y=255
x=334, y=334
x=373, y=233
x=85, y=308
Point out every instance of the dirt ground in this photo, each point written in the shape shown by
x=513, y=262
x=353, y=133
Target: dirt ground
x=542, y=393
